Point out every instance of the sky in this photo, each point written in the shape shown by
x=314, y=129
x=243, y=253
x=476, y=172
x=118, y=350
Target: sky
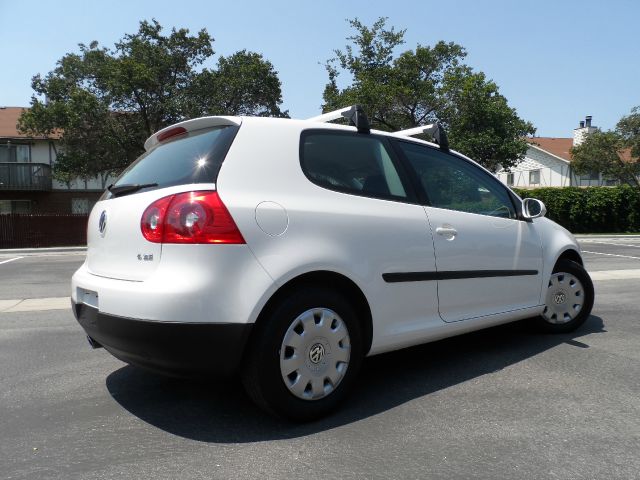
x=554, y=61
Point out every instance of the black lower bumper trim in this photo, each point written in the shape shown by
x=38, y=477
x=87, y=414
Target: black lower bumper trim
x=175, y=348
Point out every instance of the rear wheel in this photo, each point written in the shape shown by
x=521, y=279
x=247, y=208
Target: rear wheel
x=304, y=355
x=568, y=299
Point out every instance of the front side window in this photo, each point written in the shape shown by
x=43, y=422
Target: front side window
x=456, y=184
x=350, y=163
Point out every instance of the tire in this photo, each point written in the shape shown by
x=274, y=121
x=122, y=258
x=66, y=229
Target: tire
x=297, y=378
x=568, y=300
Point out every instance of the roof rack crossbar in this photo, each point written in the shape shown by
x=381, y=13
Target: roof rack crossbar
x=355, y=114
x=434, y=130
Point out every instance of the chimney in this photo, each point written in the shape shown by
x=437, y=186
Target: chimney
x=585, y=128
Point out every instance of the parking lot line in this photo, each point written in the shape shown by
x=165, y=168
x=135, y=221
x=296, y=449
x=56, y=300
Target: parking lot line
x=615, y=274
x=609, y=243
x=11, y=260
x=35, y=304
x=612, y=255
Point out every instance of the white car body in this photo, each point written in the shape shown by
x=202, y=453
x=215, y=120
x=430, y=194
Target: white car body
x=295, y=228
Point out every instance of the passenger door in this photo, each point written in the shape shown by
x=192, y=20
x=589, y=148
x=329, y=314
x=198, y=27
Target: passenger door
x=488, y=261
x=380, y=228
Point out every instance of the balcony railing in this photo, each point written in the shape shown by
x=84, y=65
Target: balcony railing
x=25, y=176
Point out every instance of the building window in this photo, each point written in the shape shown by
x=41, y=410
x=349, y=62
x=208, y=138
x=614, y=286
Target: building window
x=15, y=153
x=15, y=206
x=80, y=206
x=534, y=177
x=510, y=179
x=591, y=176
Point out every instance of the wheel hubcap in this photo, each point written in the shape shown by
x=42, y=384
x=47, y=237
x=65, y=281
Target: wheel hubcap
x=314, y=355
x=564, y=299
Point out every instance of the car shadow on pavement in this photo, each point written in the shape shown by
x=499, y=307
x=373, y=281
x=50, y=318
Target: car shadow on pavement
x=220, y=411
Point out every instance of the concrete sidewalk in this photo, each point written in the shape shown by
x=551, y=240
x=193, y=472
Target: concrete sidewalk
x=26, y=252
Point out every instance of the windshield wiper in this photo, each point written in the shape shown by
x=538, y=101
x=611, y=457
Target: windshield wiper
x=119, y=190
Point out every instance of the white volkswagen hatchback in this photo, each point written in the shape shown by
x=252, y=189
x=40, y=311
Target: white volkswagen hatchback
x=285, y=251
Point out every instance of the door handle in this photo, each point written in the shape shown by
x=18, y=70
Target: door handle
x=447, y=231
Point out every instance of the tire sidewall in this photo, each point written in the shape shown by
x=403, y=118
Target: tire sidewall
x=270, y=383
x=573, y=268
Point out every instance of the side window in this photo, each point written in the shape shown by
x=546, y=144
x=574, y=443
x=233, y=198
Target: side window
x=350, y=163
x=453, y=183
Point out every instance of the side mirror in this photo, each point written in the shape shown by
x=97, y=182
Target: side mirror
x=533, y=208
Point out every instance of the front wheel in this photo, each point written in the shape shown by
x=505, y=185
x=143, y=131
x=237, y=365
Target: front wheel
x=304, y=355
x=568, y=299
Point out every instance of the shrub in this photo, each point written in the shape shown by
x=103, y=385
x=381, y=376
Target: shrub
x=591, y=209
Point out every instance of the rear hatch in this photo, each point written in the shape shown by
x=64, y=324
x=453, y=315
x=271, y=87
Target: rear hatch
x=181, y=158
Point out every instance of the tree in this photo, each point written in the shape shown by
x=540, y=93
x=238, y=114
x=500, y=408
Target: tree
x=243, y=84
x=422, y=86
x=629, y=128
x=614, y=153
x=105, y=102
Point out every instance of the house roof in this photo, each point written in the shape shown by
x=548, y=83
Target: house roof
x=560, y=147
x=8, y=124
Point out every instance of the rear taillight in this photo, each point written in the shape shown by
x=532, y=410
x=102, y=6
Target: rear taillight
x=152, y=222
x=191, y=217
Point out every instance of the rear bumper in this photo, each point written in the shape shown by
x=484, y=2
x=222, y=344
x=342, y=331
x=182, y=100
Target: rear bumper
x=184, y=349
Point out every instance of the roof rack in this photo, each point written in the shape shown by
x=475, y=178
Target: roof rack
x=355, y=114
x=435, y=130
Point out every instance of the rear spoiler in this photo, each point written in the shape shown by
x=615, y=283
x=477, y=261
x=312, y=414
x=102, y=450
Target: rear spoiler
x=189, y=126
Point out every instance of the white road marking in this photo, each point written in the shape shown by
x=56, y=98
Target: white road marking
x=615, y=274
x=7, y=304
x=11, y=260
x=611, y=255
x=608, y=243
x=35, y=304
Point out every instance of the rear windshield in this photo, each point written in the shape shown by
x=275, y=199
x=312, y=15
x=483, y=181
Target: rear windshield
x=195, y=157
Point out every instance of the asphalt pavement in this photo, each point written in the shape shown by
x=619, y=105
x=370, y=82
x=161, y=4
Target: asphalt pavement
x=502, y=403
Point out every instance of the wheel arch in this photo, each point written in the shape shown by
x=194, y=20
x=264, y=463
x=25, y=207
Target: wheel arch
x=333, y=280
x=570, y=254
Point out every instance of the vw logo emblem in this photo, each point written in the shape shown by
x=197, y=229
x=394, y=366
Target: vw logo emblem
x=102, y=224
x=559, y=298
x=316, y=354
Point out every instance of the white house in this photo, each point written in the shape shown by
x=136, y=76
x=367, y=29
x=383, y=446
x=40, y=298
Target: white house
x=547, y=163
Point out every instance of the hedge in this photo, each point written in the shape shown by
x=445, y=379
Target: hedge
x=591, y=209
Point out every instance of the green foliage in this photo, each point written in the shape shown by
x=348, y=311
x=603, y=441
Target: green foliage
x=591, y=209
x=422, y=86
x=104, y=103
x=615, y=153
x=243, y=84
x=629, y=128
x=603, y=152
